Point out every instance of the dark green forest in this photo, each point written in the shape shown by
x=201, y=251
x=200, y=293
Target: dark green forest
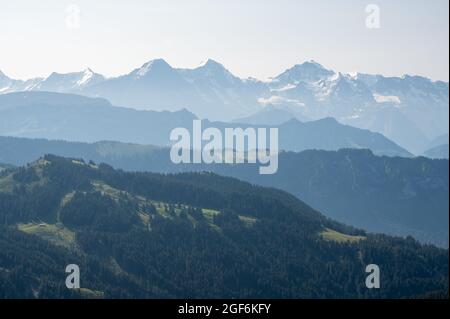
x=191, y=235
x=391, y=195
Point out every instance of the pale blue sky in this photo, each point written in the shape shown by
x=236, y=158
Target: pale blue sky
x=258, y=38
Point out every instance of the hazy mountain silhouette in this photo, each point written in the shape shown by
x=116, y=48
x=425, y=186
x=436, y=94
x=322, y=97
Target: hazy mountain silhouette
x=440, y=151
x=399, y=196
x=410, y=110
x=77, y=118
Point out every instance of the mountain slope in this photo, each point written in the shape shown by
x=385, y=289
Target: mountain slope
x=396, y=196
x=410, y=110
x=440, y=140
x=328, y=134
x=209, y=90
x=324, y=134
x=415, y=108
x=438, y=148
x=155, y=85
x=70, y=82
x=438, y=152
x=272, y=116
x=380, y=194
x=190, y=236
x=77, y=118
x=8, y=85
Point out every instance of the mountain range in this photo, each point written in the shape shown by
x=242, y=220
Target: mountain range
x=437, y=152
x=194, y=235
x=438, y=148
x=410, y=110
x=77, y=118
x=86, y=178
x=397, y=196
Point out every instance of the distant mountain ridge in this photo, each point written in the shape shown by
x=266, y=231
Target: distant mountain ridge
x=398, y=196
x=410, y=110
x=438, y=148
x=79, y=118
x=441, y=151
x=55, y=82
x=272, y=115
x=440, y=140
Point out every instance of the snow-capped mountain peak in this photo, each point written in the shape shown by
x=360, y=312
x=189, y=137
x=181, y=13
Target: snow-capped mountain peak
x=87, y=76
x=213, y=68
x=212, y=74
x=312, y=64
x=66, y=82
x=211, y=64
x=410, y=109
x=5, y=83
x=156, y=65
x=309, y=71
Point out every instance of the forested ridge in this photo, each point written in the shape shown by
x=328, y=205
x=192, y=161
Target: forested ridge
x=390, y=195
x=192, y=235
